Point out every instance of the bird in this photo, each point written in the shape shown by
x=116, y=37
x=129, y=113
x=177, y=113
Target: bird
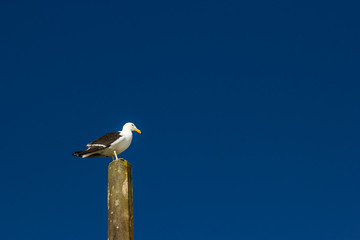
x=111, y=144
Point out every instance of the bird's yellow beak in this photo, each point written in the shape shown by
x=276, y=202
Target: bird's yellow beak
x=138, y=130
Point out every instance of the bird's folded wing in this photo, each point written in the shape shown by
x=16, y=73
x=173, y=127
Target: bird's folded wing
x=106, y=140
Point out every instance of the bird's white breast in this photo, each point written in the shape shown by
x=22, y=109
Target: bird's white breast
x=122, y=143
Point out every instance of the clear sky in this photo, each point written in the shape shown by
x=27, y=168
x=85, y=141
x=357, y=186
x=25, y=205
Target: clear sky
x=249, y=112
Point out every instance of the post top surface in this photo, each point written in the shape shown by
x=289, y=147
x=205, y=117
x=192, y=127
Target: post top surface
x=121, y=162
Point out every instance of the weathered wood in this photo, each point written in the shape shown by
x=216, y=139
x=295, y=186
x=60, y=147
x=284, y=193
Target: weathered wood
x=120, y=201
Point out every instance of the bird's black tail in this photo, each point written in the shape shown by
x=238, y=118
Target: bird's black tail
x=87, y=153
x=78, y=154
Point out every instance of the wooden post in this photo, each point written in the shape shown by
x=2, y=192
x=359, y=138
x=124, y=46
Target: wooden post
x=120, y=201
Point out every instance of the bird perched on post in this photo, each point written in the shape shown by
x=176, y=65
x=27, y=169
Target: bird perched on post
x=111, y=144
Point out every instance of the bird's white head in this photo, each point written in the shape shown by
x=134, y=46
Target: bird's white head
x=130, y=126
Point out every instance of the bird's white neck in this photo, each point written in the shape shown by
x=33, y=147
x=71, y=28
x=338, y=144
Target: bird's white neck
x=126, y=131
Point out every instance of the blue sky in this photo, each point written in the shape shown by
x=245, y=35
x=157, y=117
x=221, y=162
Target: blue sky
x=249, y=113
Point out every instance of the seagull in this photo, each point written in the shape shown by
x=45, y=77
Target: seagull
x=111, y=144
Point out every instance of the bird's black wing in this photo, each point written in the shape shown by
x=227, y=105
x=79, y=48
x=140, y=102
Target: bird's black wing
x=106, y=140
x=99, y=144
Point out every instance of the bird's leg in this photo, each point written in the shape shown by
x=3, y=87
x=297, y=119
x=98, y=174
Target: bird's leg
x=116, y=155
x=112, y=157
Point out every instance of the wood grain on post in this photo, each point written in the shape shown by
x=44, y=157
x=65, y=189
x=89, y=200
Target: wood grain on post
x=120, y=201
